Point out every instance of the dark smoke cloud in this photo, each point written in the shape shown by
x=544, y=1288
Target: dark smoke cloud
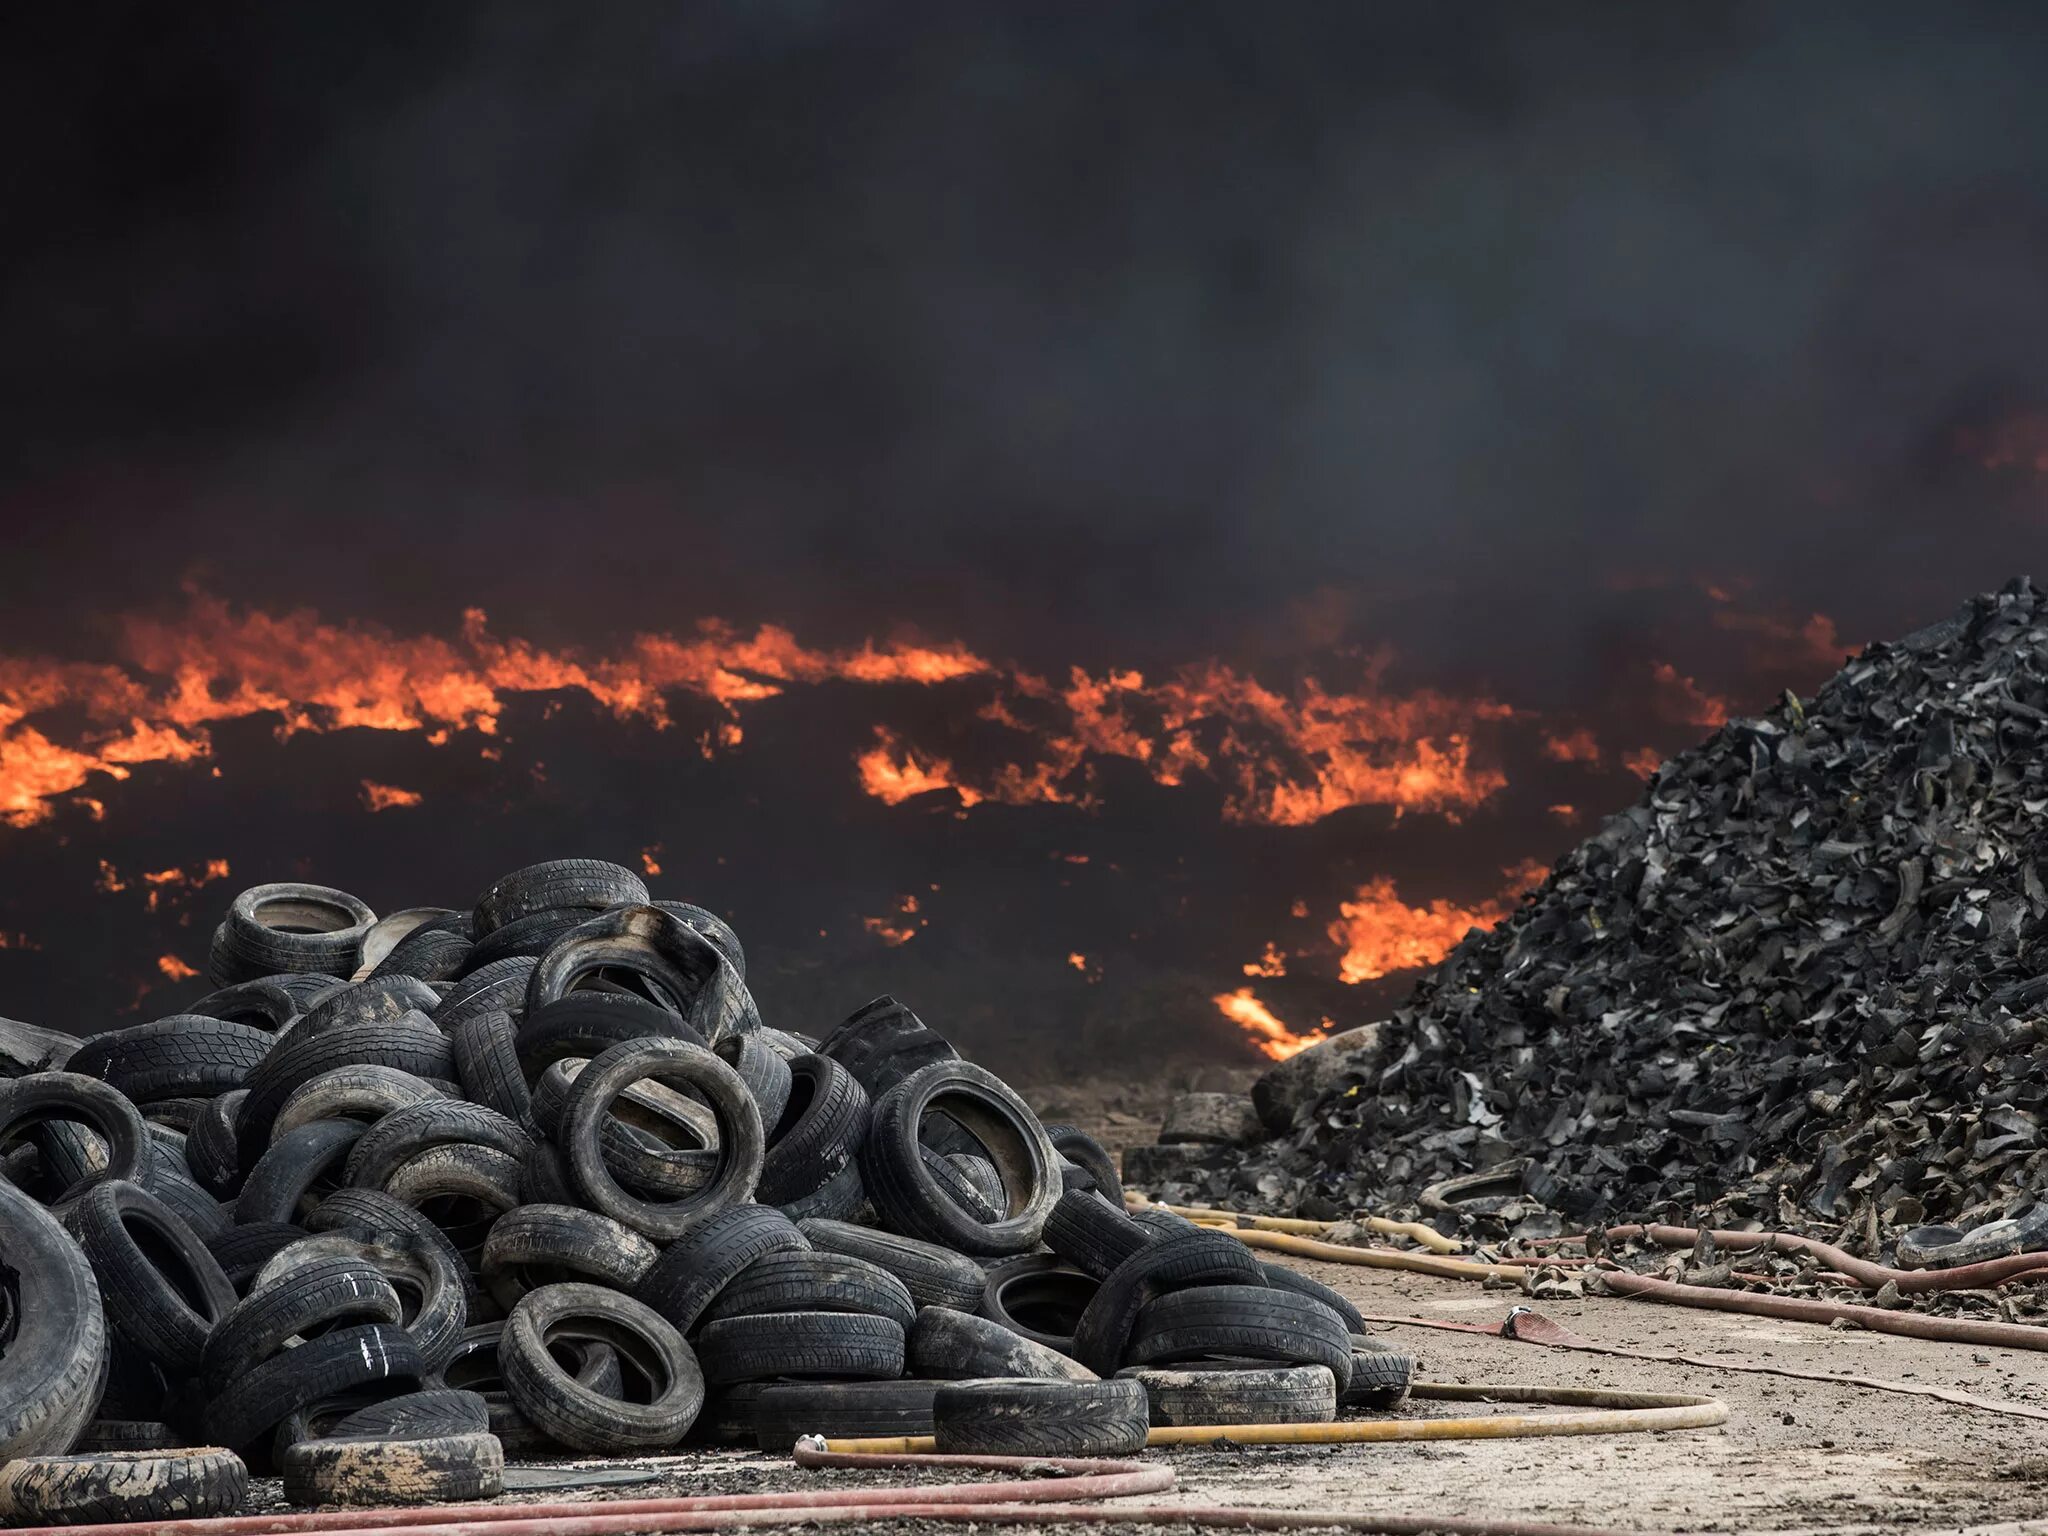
x=1493, y=334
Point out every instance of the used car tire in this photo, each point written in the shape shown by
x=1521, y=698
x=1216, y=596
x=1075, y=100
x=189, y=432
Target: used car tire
x=1193, y=1258
x=1241, y=1322
x=810, y=1281
x=306, y=1300
x=1091, y=1157
x=909, y=1200
x=104, y=1487
x=960, y=1346
x=290, y=927
x=252, y=1406
x=831, y=1346
x=163, y=1291
x=934, y=1276
x=1039, y=1418
x=365, y=1093
x=58, y=1097
x=823, y=1123
x=1092, y=1235
x=555, y=885
x=585, y=1420
x=763, y=1069
x=691, y=1272
x=55, y=1365
x=285, y=1177
x=1285, y=1394
x=784, y=1414
x=485, y=1047
x=538, y=1245
x=674, y=961
x=185, y=1055
x=1039, y=1296
x=1380, y=1377
x=415, y=1469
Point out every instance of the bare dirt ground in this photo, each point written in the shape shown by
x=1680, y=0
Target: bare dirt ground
x=1794, y=1455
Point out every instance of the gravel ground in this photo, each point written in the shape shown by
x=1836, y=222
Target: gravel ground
x=1794, y=1456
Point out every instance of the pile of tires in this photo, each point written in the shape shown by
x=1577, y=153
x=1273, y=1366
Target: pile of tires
x=404, y=1196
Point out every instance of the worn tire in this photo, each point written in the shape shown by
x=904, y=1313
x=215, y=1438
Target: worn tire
x=715, y=929
x=50, y=1098
x=1091, y=1235
x=882, y=1042
x=554, y=885
x=934, y=1276
x=1040, y=1297
x=1287, y=1394
x=367, y=1094
x=671, y=958
x=54, y=1367
x=1039, y=1418
x=693, y=1270
x=671, y=1061
x=109, y=1486
x=499, y=987
x=823, y=1123
x=164, y=1297
x=241, y=1251
x=433, y=1302
x=211, y=1155
x=840, y=1198
x=286, y=1175
x=333, y=1364
x=429, y=953
x=310, y=1299
x=410, y=1043
x=809, y=1281
x=1281, y=1278
x=1091, y=1157
x=268, y=1002
x=831, y=1346
x=417, y=1469
x=909, y=1200
x=183, y=1056
x=1380, y=1377
x=538, y=1245
x=1193, y=1258
x=577, y=1416
x=763, y=1069
x=784, y=1414
x=960, y=1346
x=1241, y=1322
x=287, y=927
x=486, y=1053
x=404, y=1133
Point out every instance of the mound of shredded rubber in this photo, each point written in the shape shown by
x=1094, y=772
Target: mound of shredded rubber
x=1803, y=980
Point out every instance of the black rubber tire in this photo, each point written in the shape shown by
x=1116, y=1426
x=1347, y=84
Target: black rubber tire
x=499, y=987
x=1283, y=1394
x=1039, y=1418
x=101, y=1435
x=971, y=1182
x=1281, y=1278
x=692, y=1271
x=882, y=1042
x=671, y=959
x=840, y=1198
x=211, y=1154
x=677, y=1063
x=1193, y=1258
x=576, y=1415
x=316, y=1297
x=429, y=953
x=821, y=1128
x=1091, y=1157
x=54, y=1366
x=1166, y=1223
x=553, y=885
x=405, y=1133
x=544, y=1177
x=175, y=1115
x=1241, y=1322
x=319, y=929
x=1040, y=1297
x=432, y=1296
x=167, y=1179
x=268, y=1002
x=286, y=1175
x=378, y=1001
x=415, y=1469
x=530, y=936
x=829, y=1346
x=244, y=1414
x=162, y=1290
x=243, y=1250
x=486, y=1053
x=366, y=1093
x=52, y=1098
x=713, y=927
x=934, y=1276
x=809, y=1281
x=764, y=1070
x=411, y=1044
x=587, y=1024
x=959, y=1346
x=784, y=1414
x=104, y=1487
x=1380, y=1377
x=185, y=1055
x=429, y=1411
x=902, y=1188
x=538, y=1245
x=1092, y=1235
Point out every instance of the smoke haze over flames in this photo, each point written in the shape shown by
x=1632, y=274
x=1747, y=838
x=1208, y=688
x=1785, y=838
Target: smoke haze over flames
x=1127, y=528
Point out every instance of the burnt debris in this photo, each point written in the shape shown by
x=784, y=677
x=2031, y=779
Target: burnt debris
x=1801, y=982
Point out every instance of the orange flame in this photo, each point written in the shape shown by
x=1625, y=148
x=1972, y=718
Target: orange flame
x=175, y=969
x=650, y=864
x=1271, y=962
x=1381, y=934
x=1579, y=746
x=386, y=797
x=1643, y=762
x=1269, y=1035
x=1681, y=699
x=20, y=941
x=897, y=928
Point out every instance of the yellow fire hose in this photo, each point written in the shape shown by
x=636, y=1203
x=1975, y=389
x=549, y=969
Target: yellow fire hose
x=1376, y=1258
x=1296, y=1226
x=1613, y=1413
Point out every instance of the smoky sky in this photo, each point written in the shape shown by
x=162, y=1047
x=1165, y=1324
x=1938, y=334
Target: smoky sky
x=1079, y=332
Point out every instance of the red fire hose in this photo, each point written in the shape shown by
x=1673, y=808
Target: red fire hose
x=1912, y=1325
x=1031, y=1499
x=1862, y=1271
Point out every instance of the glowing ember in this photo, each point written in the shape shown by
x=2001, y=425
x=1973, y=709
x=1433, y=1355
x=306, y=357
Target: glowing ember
x=19, y=941
x=1579, y=746
x=1563, y=812
x=1271, y=962
x=893, y=774
x=1680, y=699
x=1268, y=1034
x=898, y=928
x=387, y=797
x=1643, y=762
x=175, y=969
x=650, y=862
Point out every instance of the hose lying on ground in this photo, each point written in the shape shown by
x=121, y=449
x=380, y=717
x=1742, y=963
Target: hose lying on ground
x=1032, y=1498
x=1871, y=1276
x=1615, y=1413
x=1376, y=1258
x=1296, y=1226
x=1912, y=1325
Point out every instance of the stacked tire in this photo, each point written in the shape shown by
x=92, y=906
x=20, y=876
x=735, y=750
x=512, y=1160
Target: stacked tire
x=402, y=1196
